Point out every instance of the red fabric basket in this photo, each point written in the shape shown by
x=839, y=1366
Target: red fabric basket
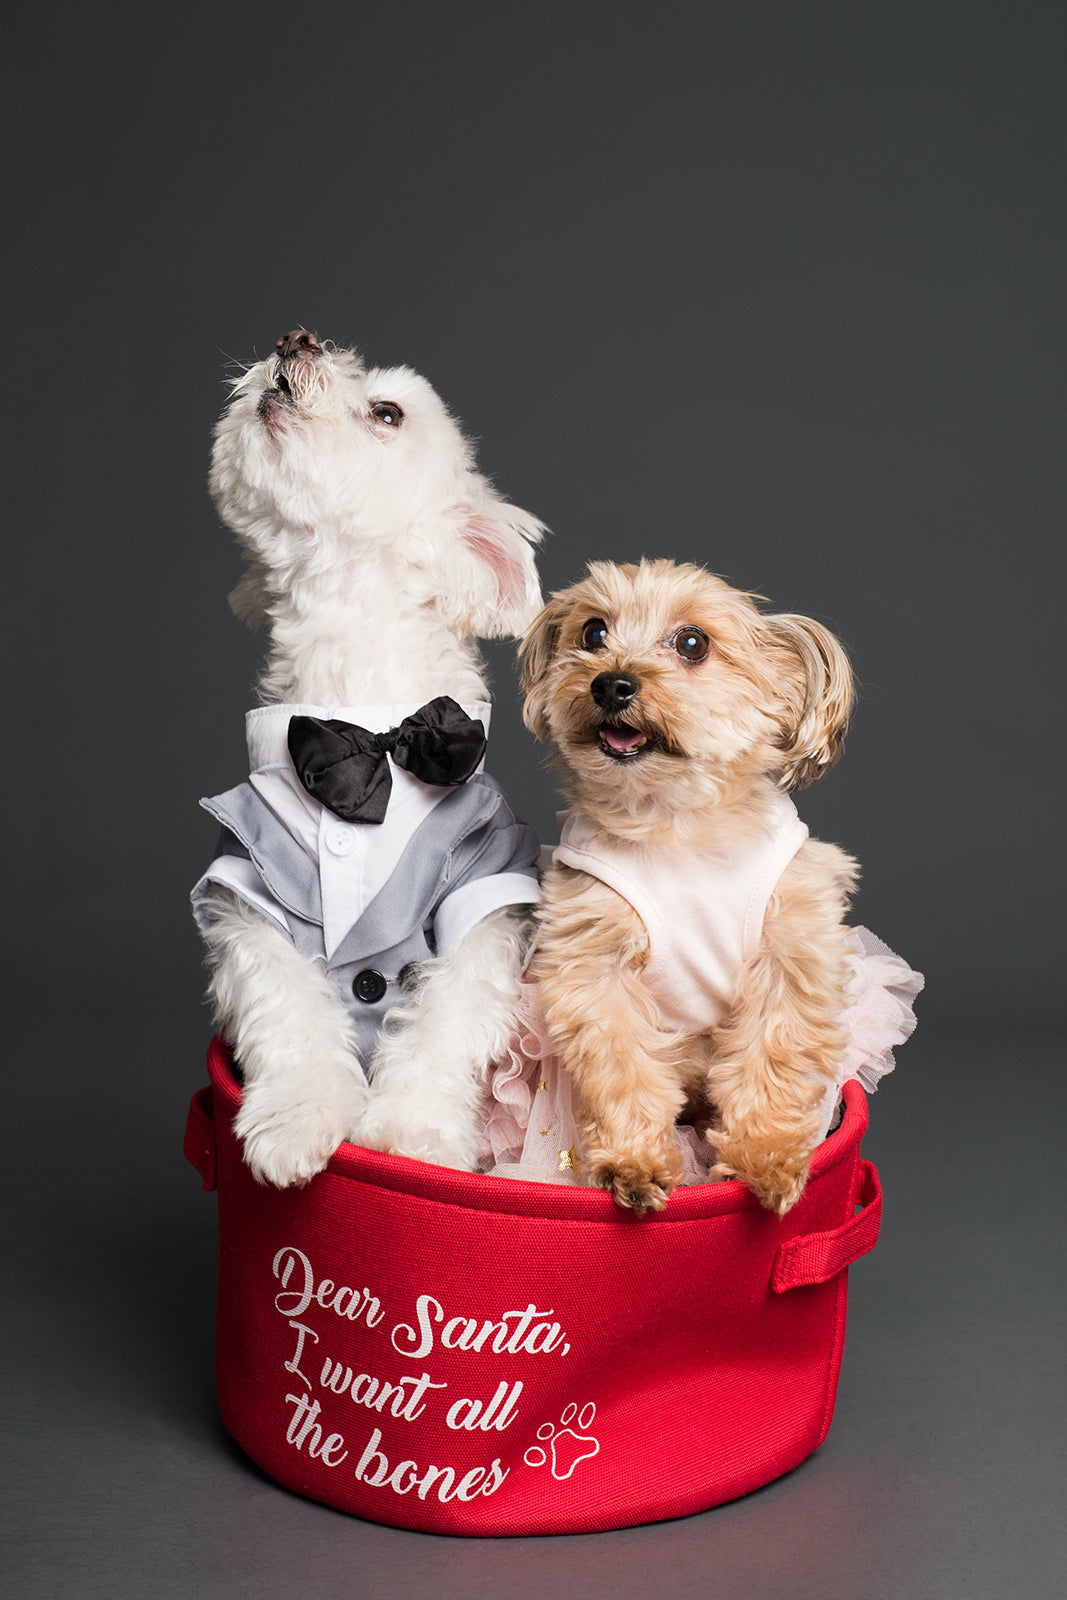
x=478, y=1356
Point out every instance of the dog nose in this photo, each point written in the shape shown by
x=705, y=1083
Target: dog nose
x=299, y=339
x=613, y=691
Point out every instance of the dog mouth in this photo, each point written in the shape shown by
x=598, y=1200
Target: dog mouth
x=277, y=398
x=623, y=742
x=292, y=372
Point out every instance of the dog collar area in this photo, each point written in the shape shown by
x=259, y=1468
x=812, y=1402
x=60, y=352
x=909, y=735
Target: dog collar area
x=267, y=727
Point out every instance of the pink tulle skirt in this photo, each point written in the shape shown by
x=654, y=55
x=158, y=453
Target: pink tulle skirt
x=531, y=1120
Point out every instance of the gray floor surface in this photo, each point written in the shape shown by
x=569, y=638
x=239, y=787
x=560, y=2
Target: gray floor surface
x=942, y=1475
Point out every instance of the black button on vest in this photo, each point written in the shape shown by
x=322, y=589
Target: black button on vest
x=369, y=986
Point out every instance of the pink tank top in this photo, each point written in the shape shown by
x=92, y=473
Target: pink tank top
x=703, y=912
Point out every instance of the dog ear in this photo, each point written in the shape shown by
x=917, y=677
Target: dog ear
x=535, y=655
x=817, y=710
x=504, y=592
x=248, y=599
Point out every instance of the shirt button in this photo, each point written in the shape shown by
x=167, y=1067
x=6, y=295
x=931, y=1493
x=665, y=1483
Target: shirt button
x=340, y=841
x=369, y=986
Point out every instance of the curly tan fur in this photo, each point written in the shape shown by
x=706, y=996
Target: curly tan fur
x=766, y=707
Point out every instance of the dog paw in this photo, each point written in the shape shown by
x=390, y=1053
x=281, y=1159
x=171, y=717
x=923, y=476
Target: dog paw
x=561, y=1446
x=636, y=1184
x=776, y=1179
x=397, y=1130
x=286, y=1143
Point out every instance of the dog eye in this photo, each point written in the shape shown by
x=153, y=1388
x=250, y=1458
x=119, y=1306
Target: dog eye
x=692, y=644
x=388, y=413
x=595, y=634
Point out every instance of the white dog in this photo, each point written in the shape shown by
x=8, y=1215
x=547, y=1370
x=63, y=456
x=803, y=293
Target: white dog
x=365, y=925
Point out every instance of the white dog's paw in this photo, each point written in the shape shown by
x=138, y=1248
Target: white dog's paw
x=288, y=1139
x=402, y=1131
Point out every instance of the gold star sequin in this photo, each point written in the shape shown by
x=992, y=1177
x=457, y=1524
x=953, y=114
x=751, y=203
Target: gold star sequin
x=542, y=1087
x=568, y=1160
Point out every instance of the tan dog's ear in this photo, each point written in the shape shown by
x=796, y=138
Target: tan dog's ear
x=535, y=654
x=818, y=709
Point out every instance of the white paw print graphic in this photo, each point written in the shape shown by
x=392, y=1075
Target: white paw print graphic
x=561, y=1444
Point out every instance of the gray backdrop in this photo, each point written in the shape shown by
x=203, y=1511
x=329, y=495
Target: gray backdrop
x=776, y=288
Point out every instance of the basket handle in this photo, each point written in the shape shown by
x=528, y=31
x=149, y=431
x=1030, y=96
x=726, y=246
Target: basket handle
x=200, y=1144
x=818, y=1257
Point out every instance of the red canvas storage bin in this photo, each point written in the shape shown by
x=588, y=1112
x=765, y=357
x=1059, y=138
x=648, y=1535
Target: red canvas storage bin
x=479, y=1356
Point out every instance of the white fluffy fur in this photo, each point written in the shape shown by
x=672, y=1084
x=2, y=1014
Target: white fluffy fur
x=377, y=554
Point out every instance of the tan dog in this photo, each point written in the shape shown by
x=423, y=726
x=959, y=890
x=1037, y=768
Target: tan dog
x=691, y=956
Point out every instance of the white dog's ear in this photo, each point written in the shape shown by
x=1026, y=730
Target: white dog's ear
x=248, y=599
x=502, y=589
x=819, y=699
x=536, y=654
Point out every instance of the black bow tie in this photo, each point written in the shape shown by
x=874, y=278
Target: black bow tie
x=344, y=767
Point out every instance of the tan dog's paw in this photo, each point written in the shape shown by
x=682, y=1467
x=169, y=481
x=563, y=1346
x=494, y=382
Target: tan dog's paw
x=638, y=1184
x=775, y=1176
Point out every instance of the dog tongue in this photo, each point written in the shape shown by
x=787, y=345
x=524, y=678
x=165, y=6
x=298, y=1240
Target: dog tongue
x=620, y=737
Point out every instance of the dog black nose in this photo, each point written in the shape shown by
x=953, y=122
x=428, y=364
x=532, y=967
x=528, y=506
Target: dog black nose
x=613, y=691
x=299, y=339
